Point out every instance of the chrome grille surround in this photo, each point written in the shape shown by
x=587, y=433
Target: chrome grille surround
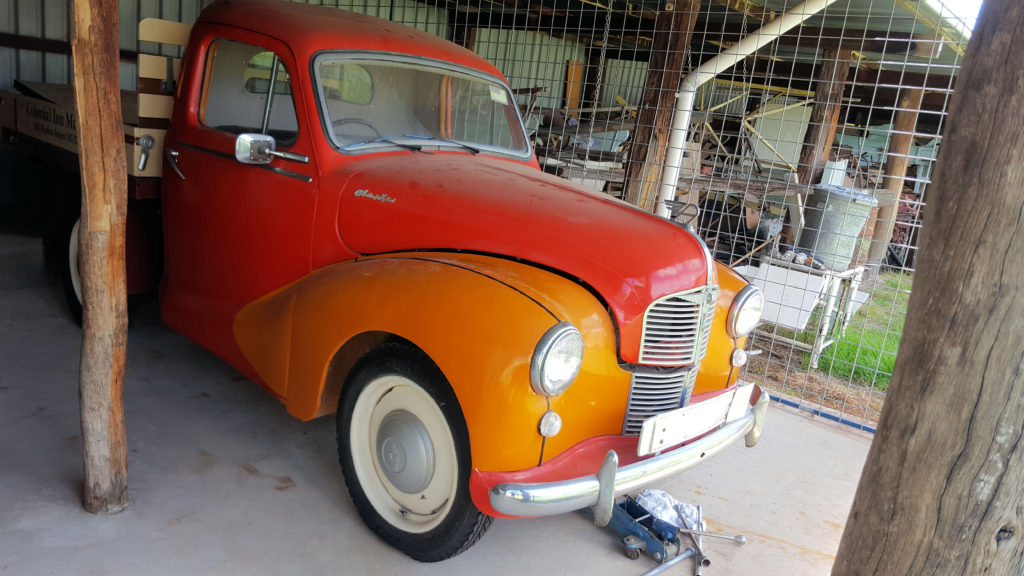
x=651, y=394
x=675, y=334
x=677, y=327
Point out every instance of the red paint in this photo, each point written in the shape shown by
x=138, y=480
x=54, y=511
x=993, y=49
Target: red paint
x=451, y=201
x=233, y=232
x=237, y=232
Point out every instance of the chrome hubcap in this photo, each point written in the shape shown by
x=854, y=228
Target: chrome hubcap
x=405, y=452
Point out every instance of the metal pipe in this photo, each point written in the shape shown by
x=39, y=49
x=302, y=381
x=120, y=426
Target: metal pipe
x=739, y=538
x=707, y=71
x=688, y=553
x=270, y=95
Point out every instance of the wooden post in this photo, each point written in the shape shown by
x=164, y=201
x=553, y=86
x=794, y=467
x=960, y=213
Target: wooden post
x=900, y=141
x=94, y=48
x=821, y=129
x=593, y=88
x=464, y=36
x=942, y=491
x=673, y=31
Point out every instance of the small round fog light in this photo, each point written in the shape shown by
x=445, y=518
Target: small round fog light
x=739, y=357
x=550, y=424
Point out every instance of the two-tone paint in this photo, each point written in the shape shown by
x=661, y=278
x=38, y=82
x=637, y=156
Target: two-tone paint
x=291, y=272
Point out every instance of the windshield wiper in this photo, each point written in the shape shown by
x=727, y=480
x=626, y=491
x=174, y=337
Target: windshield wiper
x=475, y=151
x=384, y=140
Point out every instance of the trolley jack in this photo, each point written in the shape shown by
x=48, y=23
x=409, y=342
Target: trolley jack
x=642, y=532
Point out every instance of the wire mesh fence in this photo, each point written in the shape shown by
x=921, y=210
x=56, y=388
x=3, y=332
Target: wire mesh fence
x=805, y=164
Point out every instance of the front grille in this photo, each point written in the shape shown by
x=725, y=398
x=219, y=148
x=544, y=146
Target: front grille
x=676, y=333
x=677, y=327
x=651, y=394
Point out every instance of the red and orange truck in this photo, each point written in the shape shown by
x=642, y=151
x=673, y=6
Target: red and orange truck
x=352, y=215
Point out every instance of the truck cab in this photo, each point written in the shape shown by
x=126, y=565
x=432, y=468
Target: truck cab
x=354, y=218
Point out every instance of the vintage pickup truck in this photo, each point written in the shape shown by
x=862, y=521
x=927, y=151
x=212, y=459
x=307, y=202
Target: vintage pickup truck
x=354, y=218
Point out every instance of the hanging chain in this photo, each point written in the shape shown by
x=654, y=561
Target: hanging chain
x=600, y=70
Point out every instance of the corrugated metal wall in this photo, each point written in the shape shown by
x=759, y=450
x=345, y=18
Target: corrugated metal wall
x=526, y=58
x=40, y=19
x=131, y=11
x=408, y=12
x=529, y=59
x=50, y=19
x=624, y=78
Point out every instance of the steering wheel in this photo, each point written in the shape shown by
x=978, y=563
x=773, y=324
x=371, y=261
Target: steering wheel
x=359, y=121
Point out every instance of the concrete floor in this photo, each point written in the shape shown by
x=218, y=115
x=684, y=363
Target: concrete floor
x=223, y=481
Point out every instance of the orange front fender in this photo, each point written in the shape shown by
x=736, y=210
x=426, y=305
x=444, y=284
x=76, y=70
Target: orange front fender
x=480, y=331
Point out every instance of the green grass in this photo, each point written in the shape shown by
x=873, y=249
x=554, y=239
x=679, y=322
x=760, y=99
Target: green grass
x=867, y=352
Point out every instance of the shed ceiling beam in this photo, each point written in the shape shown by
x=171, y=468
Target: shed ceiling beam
x=748, y=8
x=830, y=39
x=944, y=31
x=801, y=74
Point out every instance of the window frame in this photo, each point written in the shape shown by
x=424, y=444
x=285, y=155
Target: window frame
x=358, y=56
x=209, y=63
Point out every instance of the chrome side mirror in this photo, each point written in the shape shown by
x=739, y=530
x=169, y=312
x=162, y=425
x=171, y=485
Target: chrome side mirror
x=254, y=148
x=261, y=149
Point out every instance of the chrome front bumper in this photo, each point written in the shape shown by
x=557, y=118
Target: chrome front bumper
x=599, y=490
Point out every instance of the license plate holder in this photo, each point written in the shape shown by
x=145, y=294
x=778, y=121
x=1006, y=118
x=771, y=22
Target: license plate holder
x=671, y=428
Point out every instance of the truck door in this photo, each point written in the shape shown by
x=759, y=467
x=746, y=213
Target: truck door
x=234, y=232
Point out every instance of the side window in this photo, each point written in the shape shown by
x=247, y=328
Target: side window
x=238, y=96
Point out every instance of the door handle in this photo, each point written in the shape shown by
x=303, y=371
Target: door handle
x=146, y=143
x=172, y=159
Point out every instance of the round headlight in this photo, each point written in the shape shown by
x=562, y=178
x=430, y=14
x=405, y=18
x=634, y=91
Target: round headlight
x=557, y=359
x=745, y=313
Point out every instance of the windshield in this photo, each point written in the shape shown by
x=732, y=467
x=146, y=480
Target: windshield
x=369, y=104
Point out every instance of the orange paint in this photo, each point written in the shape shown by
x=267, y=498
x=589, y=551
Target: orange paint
x=714, y=371
x=462, y=311
x=479, y=331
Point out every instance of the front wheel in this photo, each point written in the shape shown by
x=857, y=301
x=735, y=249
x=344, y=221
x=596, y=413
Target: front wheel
x=404, y=452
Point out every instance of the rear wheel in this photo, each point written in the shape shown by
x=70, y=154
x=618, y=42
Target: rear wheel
x=72, y=277
x=404, y=452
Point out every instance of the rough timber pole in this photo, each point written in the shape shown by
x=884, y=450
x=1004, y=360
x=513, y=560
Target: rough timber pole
x=942, y=491
x=900, y=142
x=94, y=47
x=821, y=129
x=673, y=31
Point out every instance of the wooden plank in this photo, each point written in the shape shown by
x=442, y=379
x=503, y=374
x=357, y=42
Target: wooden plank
x=573, y=85
x=101, y=256
x=151, y=66
x=155, y=106
x=164, y=31
x=942, y=491
x=8, y=110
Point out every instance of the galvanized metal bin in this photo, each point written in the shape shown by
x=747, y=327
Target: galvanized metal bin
x=833, y=219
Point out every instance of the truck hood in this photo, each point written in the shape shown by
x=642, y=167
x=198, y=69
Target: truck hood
x=449, y=201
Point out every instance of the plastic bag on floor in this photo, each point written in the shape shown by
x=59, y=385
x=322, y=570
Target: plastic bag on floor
x=668, y=508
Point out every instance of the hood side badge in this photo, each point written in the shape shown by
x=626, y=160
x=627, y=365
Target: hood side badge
x=365, y=193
